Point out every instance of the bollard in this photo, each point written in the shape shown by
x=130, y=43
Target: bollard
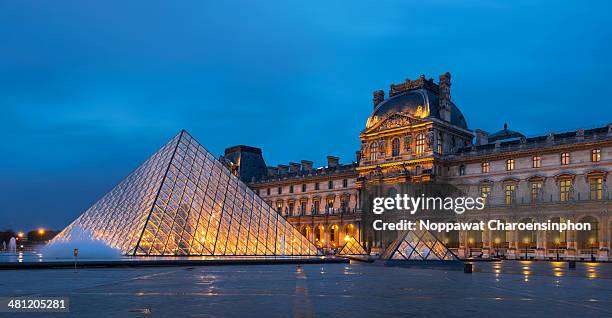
x=76, y=254
x=572, y=264
x=468, y=268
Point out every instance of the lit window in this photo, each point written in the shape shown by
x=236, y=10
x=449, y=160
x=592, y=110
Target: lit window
x=279, y=206
x=395, y=147
x=462, y=170
x=509, y=164
x=509, y=193
x=420, y=144
x=596, y=155
x=596, y=187
x=564, y=189
x=536, y=188
x=303, y=207
x=440, y=142
x=537, y=161
x=291, y=207
x=565, y=158
x=374, y=151
x=486, y=167
x=485, y=191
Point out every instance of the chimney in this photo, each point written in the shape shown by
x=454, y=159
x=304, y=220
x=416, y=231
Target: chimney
x=272, y=171
x=482, y=137
x=283, y=169
x=306, y=165
x=444, y=97
x=294, y=167
x=379, y=97
x=332, y=161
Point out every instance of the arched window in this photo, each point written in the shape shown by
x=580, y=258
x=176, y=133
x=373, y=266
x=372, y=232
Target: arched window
x=333, y=235
x=395, y=147
x=320, y=235
x=589, y=239
x=374, y=151
x=349, y=230
x=420, y=144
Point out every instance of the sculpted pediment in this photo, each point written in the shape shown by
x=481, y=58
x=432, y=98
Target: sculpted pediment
x=392, y=121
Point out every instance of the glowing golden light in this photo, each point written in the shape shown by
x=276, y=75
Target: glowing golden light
x=41, y=231
x=20, y=234
x=346, y=238
x=497, y=240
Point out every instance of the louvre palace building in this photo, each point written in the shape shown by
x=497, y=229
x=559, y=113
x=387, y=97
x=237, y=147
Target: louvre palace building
x=416, y=134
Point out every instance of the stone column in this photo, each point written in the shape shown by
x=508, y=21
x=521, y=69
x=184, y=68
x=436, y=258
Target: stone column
x=541, y=245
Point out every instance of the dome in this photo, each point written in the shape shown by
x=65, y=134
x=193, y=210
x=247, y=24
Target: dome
x=420, y=103
x=505, y=134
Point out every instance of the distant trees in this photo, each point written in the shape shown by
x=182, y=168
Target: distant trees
x=5, y=236
x=40, y=236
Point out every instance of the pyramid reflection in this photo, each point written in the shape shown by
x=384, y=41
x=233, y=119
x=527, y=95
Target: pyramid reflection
x=418, y=245
x=182, y=201
x=352, y=247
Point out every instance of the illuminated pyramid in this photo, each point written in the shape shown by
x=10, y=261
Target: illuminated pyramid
x=182, y=201
x=418, y=245
x=352, y=247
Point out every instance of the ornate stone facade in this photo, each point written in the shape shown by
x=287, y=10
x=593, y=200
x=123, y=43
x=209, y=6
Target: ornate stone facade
x=418, y=134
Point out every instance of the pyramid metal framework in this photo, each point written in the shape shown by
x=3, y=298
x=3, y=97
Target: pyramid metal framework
x=352, y=247
x=418, y=245
x=182, y=201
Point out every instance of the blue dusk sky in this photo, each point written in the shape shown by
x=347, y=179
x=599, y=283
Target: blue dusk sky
x=90, y=89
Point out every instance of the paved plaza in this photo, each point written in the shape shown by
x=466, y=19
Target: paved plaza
x=522, y=289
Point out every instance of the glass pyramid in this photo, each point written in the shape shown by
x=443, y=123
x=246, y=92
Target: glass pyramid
x=418, y=245
x=182, y=201
x=352, y=247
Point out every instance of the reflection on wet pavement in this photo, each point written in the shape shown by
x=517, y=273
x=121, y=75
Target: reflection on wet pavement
x=512, y=288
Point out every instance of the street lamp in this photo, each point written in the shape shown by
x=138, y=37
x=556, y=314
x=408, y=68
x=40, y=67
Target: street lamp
x=592, y=243
x=557, y=242
x=470, y=241
x=497, y=241
x=41, y=232
x=526, y=240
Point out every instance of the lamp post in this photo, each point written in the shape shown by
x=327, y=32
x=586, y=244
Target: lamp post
x=470, y=241
x=592, y=243
x=41, y=232
x=557, y=242
x=497, y=240
x=526, y=240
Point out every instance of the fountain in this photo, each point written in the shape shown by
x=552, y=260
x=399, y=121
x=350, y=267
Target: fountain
x=12, y=247
x=83, y=240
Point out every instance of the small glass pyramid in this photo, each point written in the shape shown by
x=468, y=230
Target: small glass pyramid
x=182, y=201
x=352, y=247
x=418, y=245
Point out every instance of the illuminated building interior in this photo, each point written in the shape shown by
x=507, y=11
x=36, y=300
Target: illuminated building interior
x=182, y=201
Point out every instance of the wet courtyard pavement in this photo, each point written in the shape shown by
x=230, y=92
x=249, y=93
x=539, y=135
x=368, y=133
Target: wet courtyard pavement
x=521, y=289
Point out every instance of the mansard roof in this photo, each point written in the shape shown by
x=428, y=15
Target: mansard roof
x=538, y=142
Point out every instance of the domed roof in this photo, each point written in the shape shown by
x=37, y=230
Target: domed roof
x=420, y=103
x=505, y=134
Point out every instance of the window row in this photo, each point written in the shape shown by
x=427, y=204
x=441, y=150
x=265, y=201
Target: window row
x=317, y=186
x=536, y=162
x=536, y=190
